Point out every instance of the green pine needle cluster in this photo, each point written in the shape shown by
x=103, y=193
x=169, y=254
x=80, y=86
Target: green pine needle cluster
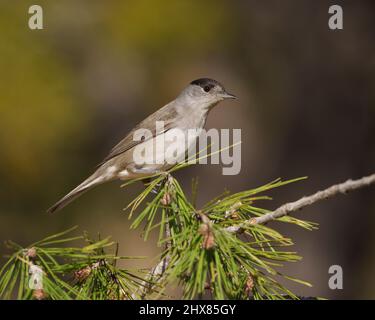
x=206, y=259
x=200, y=254
x=86, y=272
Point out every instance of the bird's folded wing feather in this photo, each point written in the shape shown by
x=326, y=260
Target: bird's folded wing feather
x=167, y=114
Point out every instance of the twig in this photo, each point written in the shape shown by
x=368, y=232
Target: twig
x=341, y=188
x=156, y=272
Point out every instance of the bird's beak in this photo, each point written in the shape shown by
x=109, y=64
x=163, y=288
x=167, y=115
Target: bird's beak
x=226, y=95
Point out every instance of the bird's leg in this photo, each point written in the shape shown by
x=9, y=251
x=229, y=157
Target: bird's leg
x=146, y=181
x=156, y=188
x=150, y=171
x=160, y=185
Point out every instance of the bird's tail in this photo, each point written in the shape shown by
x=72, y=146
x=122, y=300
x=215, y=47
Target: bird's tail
x=86, y=185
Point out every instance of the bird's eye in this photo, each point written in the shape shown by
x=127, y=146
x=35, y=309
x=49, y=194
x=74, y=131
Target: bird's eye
x=207, y=88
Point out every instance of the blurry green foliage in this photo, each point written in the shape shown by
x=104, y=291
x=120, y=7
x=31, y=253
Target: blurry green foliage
x=38, y=107
x=166, y=26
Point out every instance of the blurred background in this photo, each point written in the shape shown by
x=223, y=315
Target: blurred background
x=71, y=91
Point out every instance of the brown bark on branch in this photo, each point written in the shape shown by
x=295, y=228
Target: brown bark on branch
x=341, y=188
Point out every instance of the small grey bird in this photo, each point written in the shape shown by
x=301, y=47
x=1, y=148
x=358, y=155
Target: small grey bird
x=188, y=111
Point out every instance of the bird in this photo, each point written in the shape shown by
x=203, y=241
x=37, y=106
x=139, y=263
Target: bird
x=188, y=111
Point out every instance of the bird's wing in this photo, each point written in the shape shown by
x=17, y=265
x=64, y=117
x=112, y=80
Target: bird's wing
x=167, y=114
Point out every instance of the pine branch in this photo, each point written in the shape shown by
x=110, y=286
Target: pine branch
x=201, y=256
x=157, y=272
x=51, y=269
x=286, y=209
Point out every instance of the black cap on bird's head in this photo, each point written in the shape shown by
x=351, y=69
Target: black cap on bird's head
x=210, y=85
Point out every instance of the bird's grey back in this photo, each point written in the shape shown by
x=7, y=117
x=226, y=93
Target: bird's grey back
x=174, y=114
